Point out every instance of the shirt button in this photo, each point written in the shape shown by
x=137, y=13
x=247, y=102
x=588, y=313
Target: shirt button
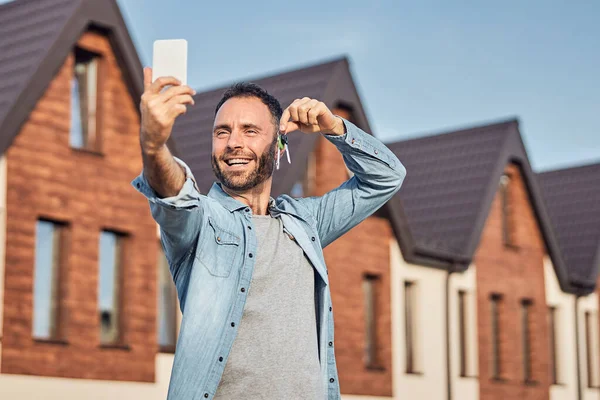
x=376, y=151
x=249, y=227
x=332, y=380
x=218, y=239
x=330, y=344
x=138, y=185
x=220, y=358
x=352, y=141
x=247, y=210
x=330, y=308
x=250, y=255
x=233, y=324
x=243, y=290
x=206, y=395
x=313, y=238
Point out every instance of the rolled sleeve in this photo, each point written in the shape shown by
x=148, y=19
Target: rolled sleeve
x=179, y=217
x=187, y=198
x=360, y=143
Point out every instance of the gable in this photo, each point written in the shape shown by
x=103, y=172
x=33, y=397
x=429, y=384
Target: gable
x=37, y=36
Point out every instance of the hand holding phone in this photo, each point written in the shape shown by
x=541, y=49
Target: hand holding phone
x=165, y=94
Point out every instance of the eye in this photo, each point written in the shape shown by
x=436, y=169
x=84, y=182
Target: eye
x=221, y=133
x=251, y=132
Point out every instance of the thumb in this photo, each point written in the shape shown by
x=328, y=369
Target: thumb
x=290, y=126
x=147, y=77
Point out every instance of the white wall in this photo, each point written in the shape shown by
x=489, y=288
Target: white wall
x=587, y=303
x=565, y=335
x=431, y=348
x=2, y=243
x=464, y=388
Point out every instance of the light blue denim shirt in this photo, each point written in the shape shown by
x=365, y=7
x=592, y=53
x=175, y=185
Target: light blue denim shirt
x=210, y=245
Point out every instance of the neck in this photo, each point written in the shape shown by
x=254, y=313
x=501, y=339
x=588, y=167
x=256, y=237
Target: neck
x=257, y=198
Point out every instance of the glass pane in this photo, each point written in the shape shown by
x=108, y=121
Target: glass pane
x=76, y=127
x=44, y=292
x=91, y=95
x=108, y=287
x=370, y=321
x=462, y=326
x=297, y=190
x=409, y=326
x=167, y=304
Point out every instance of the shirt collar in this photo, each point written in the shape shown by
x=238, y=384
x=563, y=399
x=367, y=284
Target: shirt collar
x=216, y=192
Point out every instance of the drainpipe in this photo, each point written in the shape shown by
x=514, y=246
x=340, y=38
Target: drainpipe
x=577, y=350
x=448, y=353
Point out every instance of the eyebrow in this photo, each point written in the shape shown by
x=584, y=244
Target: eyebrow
x=244, y=126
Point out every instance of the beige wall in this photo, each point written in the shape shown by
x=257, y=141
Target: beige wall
x=25, y=387
x=587, y=303
x=565, y=336
x=464, y=388
x=431, y=347
x=2, y=242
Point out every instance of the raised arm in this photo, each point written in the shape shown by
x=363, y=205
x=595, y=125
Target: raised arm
x=166, y=181
x=378, y=174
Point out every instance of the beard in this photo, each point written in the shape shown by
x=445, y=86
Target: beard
x=245, y=180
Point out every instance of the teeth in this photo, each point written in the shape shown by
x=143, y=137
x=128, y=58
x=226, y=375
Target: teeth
x=235, y=161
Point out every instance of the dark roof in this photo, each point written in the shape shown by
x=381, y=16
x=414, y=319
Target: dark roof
x=330, y=82
x=573, y=199
x=35, y=38
x=445, y=199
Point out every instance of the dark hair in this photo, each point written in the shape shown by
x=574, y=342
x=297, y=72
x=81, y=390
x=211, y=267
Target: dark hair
x=247, y=89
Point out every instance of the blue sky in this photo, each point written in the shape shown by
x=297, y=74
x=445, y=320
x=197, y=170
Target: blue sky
x=420, y=67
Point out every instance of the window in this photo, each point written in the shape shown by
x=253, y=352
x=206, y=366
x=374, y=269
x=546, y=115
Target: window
x=554, y=356
x=495, y=302
x=83, y=101
x=526, y=338
x=46, y=286
x=591, y=345
x=109, y=287
x=167, y=306
x=297, y=190
x=370, y=291
x=505, y=195
x=410, y=327
x=462, y=334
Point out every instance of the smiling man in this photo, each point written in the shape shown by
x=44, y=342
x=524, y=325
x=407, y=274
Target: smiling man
x=249, y=269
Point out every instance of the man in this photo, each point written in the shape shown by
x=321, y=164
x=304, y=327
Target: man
x=249, y=269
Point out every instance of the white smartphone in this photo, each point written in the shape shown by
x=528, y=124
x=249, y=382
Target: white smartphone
x=169, y=58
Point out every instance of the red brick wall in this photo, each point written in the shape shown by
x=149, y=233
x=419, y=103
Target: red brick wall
x=365, y=249
x=90, y=192
x=514, y=273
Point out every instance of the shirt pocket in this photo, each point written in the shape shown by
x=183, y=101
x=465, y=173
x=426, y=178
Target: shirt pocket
x=221, y=250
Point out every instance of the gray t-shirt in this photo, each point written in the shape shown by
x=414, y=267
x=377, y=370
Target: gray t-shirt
x=275, y=354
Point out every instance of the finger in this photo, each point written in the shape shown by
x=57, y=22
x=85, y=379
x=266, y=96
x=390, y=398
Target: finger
x=147, y=78
x=177, y=110
x=304, y=109
x=314, y=112
x=292, y=126
x=174, y=91
x=293, y=112
x=283, y=122
x=163, y=81
x=180, y=99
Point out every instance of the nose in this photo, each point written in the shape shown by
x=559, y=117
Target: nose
x=236, y=140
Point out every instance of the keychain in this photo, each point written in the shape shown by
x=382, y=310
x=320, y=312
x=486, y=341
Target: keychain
x=282, y=144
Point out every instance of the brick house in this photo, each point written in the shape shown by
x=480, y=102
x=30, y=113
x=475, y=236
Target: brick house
x=573, y=199
x=79, y=252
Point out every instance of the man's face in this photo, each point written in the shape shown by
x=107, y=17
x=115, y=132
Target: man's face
x=244, y=140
